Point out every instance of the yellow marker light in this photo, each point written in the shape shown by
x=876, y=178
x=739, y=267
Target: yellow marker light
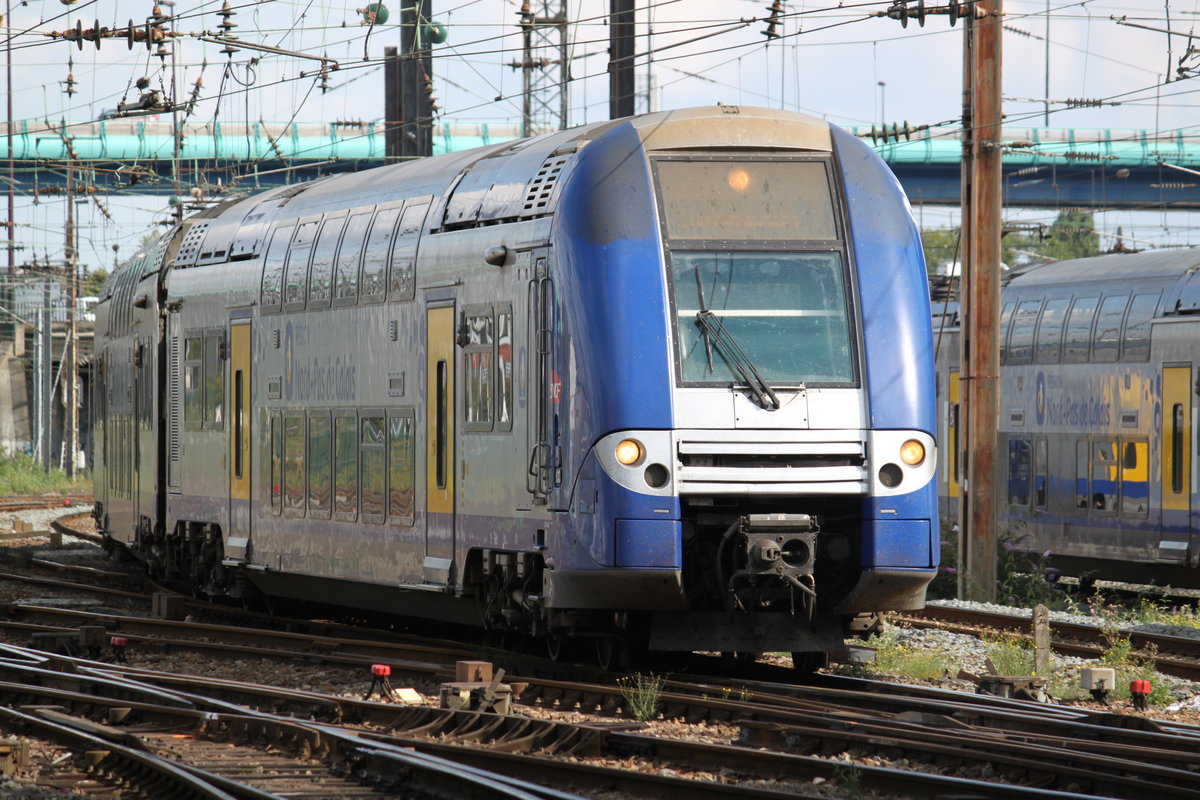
x=912, y=452
x=629, y=452
x=738, y=179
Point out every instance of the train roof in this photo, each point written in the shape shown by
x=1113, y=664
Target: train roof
x=1149, y=265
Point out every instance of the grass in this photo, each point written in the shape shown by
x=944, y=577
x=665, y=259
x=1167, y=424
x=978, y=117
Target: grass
x=893, y=658
x=1010, y=653
x=642, y=695
x=20, y=474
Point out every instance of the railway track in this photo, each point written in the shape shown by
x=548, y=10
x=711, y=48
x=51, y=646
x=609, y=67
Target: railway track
x=1172, y=655
x=837, y=731
x=785, y=734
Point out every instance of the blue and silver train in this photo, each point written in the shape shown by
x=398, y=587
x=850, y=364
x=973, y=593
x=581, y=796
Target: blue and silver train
x=1098, y=436
x=663, y=383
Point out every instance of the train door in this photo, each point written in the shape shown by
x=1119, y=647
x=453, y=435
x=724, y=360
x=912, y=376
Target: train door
x=238, y=536
x=544, y=388
x=439, y=443
x=139, y=412
x=1176, y=477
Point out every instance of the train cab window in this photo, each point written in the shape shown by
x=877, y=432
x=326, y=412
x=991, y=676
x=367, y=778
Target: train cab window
x=1136, y=344
x=1049, y=332
x=1107, y=344
x=1041, y=473
x=1135, y=478
x=1105, y=477
x=402, y=463
x=402, y=279
x=372, y=466
x=372, y=286
x=744, y=199
x=272, y=275
x=787, y=311
x=320, y=275
x=1019, y=458
x=345, y=467
x=193, y=383
x=479, y=329
x=1005, y=317
x=1077, y=338
x=295, y=274
x=1083, y=462
x=320, y=466
x=294, y=490
x=1024, y=325
x=345, y=290
x=504, y=368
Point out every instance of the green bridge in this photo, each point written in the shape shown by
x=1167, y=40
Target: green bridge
x=1043, y=167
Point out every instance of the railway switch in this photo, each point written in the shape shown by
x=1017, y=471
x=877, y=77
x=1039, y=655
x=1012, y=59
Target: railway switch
x=381, y=681
x=1139, y=692
x=1099, y=681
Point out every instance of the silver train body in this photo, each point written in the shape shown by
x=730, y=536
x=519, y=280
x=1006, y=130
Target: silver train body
x=498, y=387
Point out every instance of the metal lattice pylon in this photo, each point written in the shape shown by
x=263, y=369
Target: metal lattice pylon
x=545, y=66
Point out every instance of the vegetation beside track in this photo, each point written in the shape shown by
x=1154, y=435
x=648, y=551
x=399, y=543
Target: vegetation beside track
x=21, y=475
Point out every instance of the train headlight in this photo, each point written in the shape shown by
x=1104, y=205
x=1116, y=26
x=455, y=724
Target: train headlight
x=912, y=452
x=629, y=452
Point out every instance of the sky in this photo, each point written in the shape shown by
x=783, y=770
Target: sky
x=840, y=62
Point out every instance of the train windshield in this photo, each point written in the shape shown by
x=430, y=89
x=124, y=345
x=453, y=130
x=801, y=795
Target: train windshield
x=785, y=312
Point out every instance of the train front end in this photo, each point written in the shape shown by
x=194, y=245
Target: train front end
x=748, y=407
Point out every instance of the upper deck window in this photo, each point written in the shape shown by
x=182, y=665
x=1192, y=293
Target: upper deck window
x=744, y=199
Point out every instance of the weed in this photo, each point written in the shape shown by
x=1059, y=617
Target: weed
x=741, y=694
x=642, y=695
x=850, y=779
x=893, y=658
x=1011, y=653
x=20, y=474
x=1023, y=575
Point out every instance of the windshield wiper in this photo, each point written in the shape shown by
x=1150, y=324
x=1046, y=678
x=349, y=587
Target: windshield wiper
x=714, y=332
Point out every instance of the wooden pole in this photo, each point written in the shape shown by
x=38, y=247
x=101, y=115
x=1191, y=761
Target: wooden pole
x=981, y=295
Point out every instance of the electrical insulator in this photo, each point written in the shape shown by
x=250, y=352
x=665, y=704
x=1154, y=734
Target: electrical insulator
x=776, y=9
x=156, y=33
x=227, y=25
x=427, y=87
x=70, y=90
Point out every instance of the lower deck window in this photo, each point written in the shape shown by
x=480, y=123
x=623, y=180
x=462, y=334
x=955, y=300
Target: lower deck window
x=345, y=436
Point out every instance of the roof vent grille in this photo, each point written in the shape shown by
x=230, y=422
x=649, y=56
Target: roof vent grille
x=190, y=246
x=541, y=187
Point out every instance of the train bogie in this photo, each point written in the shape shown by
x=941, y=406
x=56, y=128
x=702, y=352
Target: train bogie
x=666, y=380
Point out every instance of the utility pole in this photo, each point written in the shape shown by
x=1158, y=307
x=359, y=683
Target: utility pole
x=70, y=363
x=45, y=369
x=10, y=292
x=621, y=90
x=545, y=77
x=981, y=230
x=408, y=87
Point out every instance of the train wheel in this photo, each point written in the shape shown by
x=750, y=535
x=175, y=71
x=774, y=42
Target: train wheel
x=559, y=647
x=608, y=652
x=808, y=663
